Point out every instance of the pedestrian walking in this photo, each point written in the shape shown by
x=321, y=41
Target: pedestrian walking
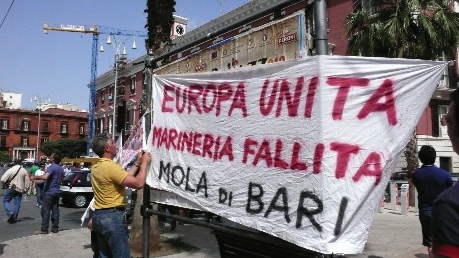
x=17, y=181
x=109, y=181
x=51, y=195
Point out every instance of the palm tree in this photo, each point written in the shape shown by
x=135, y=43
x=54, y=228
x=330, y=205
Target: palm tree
x=159, y=23
x=421, y=29
x=418, y=29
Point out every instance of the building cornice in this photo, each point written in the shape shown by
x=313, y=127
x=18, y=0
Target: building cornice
x=208, y=31
x=52, y=113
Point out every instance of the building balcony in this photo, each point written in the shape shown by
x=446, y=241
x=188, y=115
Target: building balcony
x=23, y=130
x=22, y=147
x=442, y=93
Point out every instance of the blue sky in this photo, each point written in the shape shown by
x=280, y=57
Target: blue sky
x=57, y=65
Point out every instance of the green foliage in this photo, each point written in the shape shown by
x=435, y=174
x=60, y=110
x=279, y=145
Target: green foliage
x=4, y=157
x=419, y=29
x=159, y=23
x=68, y=148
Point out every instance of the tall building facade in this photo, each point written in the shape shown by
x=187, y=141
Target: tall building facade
x=19, y=132
x=10, y=100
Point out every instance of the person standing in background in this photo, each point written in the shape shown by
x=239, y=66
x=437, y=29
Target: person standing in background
x=51, y=195
x=40, y=184
x=48, y=163
x=430, y=181
x=67, y=169
x=34, y=168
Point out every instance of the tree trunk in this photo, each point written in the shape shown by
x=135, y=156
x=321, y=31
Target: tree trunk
x=158, y=31
x=412, y=163
x=135, y=239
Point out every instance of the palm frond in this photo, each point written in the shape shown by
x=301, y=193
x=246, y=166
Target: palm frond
x=404, y=28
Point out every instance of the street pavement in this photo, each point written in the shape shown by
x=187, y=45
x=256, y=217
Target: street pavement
x=29, y=219
x=391, y=235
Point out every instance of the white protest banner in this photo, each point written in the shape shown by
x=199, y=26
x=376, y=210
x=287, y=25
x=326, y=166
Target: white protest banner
x=135, y=142
x=119, y=148
x=302, y=149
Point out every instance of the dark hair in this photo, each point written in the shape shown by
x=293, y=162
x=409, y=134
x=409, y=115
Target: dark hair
x=99, y=142
x=427, y=155
x=454, y=96
x=56, y=158
x=17, y=161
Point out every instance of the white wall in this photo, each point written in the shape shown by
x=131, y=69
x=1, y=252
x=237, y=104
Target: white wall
x=443, y=148
x=13, y=100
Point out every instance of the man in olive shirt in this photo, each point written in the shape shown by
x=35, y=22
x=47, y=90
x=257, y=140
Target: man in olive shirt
x=109, y=181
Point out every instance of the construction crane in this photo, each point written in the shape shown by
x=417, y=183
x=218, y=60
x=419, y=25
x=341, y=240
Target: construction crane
x=95, y=30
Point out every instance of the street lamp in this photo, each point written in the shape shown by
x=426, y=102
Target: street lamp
x=118, y=59
x=40, y=101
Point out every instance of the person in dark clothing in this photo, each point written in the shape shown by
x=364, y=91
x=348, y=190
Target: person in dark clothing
x=430, y=181
x=445, y=213
x=51, y=195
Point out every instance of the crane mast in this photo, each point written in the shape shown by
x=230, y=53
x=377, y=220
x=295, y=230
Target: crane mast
x=95, y=30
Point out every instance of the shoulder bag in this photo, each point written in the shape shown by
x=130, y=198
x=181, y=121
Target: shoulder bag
x=8, y=182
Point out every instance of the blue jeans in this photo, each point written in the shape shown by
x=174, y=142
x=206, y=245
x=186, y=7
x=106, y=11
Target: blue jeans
x=39, y=188
x=11, y=194
x=111, y=231
x=50, y=208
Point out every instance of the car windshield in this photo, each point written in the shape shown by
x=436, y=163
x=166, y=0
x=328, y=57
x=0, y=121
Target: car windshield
x=69, y=176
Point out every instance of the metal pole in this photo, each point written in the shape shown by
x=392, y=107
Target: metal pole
x=147, y=207
x=38, y=130
x=114, y=93
x=320, y=21
x=92, y=94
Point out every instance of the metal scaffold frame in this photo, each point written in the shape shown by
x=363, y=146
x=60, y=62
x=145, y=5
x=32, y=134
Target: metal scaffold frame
x=95, y=30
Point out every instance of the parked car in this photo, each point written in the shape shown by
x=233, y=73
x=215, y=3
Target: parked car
x=76, y=189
